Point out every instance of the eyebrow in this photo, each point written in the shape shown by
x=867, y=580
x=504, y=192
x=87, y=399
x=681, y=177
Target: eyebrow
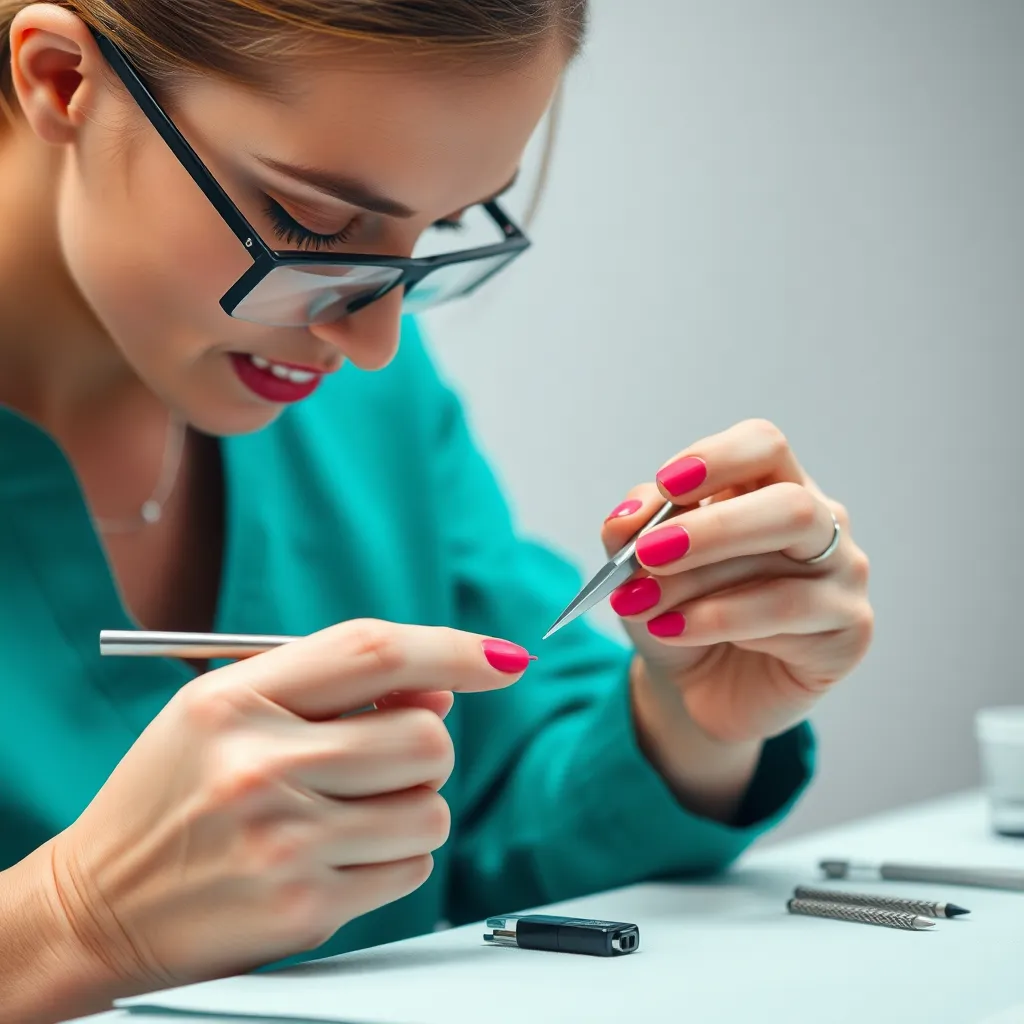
x=358, y=193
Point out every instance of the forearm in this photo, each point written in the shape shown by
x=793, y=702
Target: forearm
x=709, y=778
x=46, y=975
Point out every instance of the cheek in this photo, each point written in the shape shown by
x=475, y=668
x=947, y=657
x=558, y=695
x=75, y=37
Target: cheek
x=149, y=255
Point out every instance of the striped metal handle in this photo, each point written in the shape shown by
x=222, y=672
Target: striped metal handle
x=858, y=915
x=855, y=899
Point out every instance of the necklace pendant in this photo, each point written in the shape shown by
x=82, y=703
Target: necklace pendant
x=151, y=512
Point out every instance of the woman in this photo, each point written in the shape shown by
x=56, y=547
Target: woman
x=183, y=447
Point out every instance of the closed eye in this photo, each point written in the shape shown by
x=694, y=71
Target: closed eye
x=291, y=232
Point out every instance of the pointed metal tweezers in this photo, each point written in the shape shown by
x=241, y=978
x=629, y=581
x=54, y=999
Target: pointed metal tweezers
x=613, y=574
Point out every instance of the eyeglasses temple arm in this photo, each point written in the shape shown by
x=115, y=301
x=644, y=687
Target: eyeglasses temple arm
x=168, y=131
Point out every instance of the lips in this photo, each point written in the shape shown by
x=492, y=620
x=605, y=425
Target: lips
x=275, y=382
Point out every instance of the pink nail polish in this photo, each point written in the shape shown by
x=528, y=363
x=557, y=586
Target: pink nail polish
x=627, y=508
x=664, y=545
x=683, y=475
x=507, y=657
x=635, y=597
x=669, y=624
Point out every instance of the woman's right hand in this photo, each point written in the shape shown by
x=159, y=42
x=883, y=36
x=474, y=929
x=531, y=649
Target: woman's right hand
x=249, y=822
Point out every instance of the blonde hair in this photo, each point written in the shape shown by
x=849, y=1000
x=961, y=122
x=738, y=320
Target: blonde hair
x=242, y=40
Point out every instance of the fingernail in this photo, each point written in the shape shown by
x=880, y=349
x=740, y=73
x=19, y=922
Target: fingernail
x=507, y=657
x=683, y=475
x=664, y=545
x=635, y=597
x=669, y=624
x=627, y=508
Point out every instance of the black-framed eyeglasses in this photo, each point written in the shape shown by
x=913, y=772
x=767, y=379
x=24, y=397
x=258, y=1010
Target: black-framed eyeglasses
x=293, y=288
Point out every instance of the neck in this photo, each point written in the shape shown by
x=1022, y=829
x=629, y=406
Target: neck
x=57, y=363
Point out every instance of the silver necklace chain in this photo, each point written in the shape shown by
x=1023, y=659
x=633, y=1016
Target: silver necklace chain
x=152, y=509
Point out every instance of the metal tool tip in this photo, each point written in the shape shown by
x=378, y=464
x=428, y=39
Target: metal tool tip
x=952, y=910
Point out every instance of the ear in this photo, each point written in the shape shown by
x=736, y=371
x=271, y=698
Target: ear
x=56, y=70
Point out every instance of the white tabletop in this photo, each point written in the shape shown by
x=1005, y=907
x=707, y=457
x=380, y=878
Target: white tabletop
x=722, y=950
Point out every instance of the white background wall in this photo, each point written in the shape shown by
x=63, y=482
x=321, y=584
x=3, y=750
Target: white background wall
x=811, y=211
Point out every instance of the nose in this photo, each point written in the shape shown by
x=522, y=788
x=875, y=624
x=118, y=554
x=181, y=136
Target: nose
x=367, y=338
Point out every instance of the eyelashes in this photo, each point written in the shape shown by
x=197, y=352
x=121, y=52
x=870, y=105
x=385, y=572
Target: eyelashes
x=290, y=231
x=294, y=234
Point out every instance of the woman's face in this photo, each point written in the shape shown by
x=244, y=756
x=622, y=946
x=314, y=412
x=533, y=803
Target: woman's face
x=152, y=257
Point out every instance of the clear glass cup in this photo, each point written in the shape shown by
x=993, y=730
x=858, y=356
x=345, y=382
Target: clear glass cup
x=1000, y=735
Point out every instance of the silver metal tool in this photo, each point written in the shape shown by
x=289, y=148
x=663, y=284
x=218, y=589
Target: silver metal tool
x=155, y=644
x=614, y=573
x=984, y=878
x=854, y=899
x=859, y=915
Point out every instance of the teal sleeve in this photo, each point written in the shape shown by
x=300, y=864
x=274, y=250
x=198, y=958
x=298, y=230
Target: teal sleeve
x=555, y=798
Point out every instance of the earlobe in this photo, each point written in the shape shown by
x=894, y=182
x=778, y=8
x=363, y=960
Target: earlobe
x=54, y=65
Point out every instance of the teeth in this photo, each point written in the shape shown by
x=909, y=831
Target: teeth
x=282, y=372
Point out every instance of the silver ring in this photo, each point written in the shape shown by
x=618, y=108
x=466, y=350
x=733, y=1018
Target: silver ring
x=833, y=544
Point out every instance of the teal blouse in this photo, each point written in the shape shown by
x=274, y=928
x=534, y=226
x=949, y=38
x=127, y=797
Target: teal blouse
x=368, y=499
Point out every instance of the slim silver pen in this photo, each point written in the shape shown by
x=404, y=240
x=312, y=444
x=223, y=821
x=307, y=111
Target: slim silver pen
x=155, y=644
x=924, y=908
x=614, y=573
x=983, y=878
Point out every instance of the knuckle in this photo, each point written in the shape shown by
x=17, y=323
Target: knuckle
x=842, y=514
x=417, y=871
x=801, y=507
x=717, y=618
x=236, y=785
x=435, y=820
x=278, y=849
x=376, y=644
x=771, y=438
x=209, y=706
x=428, y=740
x=239, y=772
x=400, y=878
x=860, y=567
x=299, y=910
x=864, y=623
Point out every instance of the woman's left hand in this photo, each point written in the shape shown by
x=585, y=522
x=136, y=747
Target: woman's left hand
x=726, y=615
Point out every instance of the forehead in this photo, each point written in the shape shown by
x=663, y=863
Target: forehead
x=428, y=135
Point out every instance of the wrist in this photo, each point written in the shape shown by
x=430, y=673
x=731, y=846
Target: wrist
x=47, y=973
x=708, y=776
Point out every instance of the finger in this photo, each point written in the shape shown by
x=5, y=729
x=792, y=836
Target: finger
x=439, y=701
x=787, y=605
x=374, y=753
x=354, y=664
x=630, y=515
x=357, y=890
x=644, y=596
x=747, y=455
x=381, y=829
x=783, y=517
x=310, y=914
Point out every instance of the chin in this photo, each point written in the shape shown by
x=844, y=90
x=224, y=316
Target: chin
x=227, y=421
